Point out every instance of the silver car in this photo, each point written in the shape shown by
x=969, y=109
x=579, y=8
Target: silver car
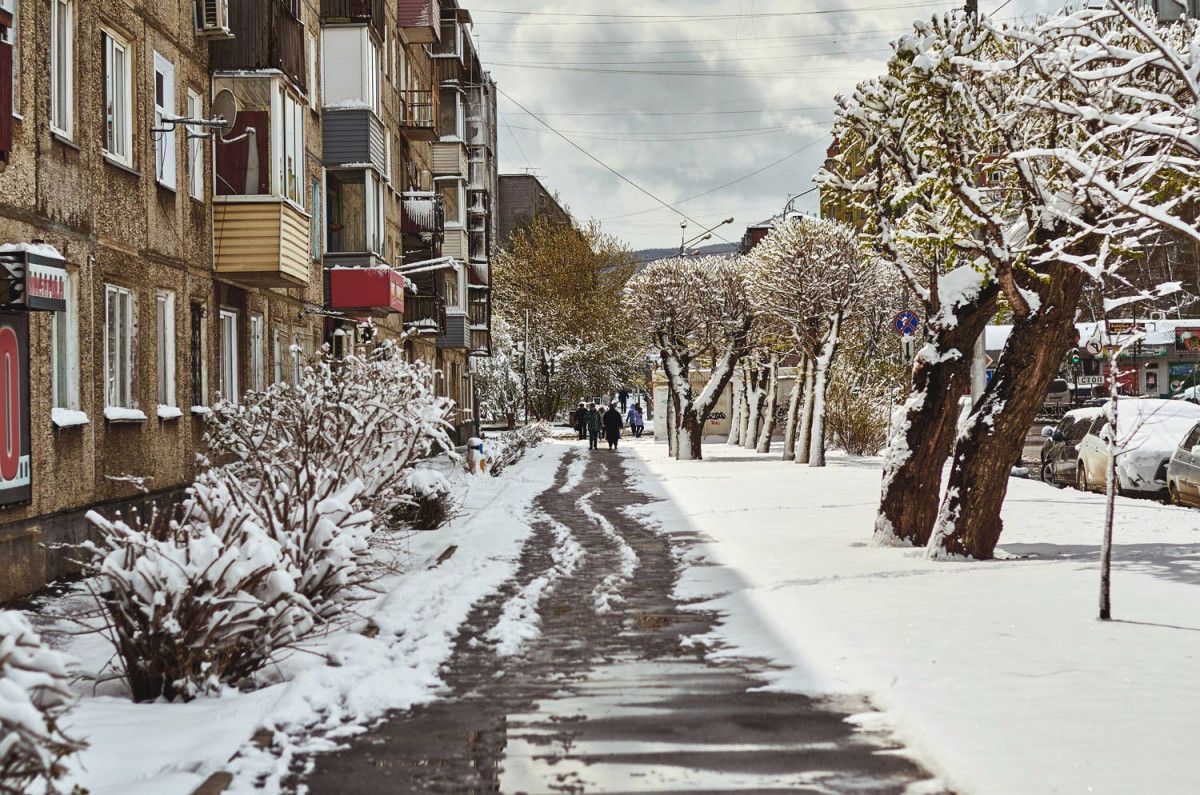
x=1183, y=473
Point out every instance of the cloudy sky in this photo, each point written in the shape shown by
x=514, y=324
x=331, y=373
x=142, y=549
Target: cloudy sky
x=688, y=98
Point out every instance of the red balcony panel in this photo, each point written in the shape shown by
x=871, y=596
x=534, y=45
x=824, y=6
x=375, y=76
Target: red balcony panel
x=375, y=290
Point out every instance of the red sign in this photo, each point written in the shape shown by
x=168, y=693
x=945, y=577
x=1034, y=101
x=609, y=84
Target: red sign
x=15, y=464
x=375, y=290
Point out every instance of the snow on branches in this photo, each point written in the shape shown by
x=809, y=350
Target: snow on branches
x=693, y=307
x=34, y=696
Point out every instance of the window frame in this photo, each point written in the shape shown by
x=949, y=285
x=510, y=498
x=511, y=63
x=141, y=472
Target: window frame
x=111, y=44
x=64, y=334
x=14, y=38
x=164, y=328
x=227, y=356
x=59, y=105
x=124, y=300
x=195, y=146
x=166, y=144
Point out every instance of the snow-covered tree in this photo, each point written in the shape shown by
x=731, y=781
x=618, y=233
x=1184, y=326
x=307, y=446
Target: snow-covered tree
x=809, y=275
x=696, y=312
x=498, y=377
x=34, y=696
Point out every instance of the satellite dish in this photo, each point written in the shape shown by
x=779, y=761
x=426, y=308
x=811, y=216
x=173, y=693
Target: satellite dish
x=225, y=107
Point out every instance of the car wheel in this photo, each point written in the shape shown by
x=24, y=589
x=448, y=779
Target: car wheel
x=1048, y=472
x=1173, y=495
x=1081, y=477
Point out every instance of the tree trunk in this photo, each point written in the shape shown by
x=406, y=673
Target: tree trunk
x=921, y=440
x=816, y=446
x=745, y=414
x=735, y=408
x=757, y=397
x=969, y=521
x=772, y=403
x=691, y=435
x=804, y=437
x=793, y=415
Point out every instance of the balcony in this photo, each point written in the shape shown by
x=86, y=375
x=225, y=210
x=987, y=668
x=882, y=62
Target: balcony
x=421, y=20
x=349, y=11
x=353, y=136
x=481, y=342
x=455, y=244
x=457, y=334
x=260, y=241
x=376, y=290
x=266, y=36
x=450, y=159
x=423, y=214
x=419, y=121
x=425, y=314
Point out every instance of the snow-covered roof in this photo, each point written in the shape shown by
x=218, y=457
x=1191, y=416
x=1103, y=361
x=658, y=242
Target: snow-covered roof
x=38, y=249
x=1156, y=332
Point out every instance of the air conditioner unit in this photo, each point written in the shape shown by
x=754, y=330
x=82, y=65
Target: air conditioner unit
x=212, y=19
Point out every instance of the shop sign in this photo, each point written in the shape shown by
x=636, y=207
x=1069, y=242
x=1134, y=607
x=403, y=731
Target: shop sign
x=15, y=466
x=32, y=277
x=1187, y=338
x=1125, y=327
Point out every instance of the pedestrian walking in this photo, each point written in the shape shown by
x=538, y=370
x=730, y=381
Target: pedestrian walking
x=593, y=427
x=623, y=395
x=612, y=426
x=636, y=422
x=579, y=416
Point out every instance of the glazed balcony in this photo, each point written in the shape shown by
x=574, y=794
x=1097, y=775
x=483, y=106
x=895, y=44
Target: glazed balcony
x=450, y=159
x=481, y=342
x=425, y=314
x=419, y=115
x=423, y=214
x=261, y=241
x=372, y=12
x=457, y=334
x=353, y=136
x=377, y=290
x=421, y=20
x=266, y=35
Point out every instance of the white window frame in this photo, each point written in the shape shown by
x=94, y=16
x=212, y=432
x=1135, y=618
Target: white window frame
x=118, y=146
x=227, y=378
x=64, y=345
x=62, y=69
x=255, y=330
x=195, y=147
x=165, y=143
x=287, y=140
x=164, y=317
x=14, y=38
x=118, y=386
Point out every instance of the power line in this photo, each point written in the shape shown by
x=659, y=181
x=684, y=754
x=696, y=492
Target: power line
x=643, y=19
x=598, y=161
x=631, y=112
x=670, y=62
x=516, y=141
x=679, y=73
x=624, y=133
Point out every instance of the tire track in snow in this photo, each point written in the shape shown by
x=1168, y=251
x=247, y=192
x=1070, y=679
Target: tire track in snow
x=608, y=592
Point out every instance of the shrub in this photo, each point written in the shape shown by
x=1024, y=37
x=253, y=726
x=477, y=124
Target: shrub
x=429, y=503
x=33, y=698
x=511, y=447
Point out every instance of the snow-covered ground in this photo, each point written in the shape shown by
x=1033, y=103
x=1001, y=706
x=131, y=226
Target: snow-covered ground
x=996, y=674
x=340, y=682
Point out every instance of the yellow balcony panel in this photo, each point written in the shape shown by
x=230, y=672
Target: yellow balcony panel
x=261, y=242
x=450, y=159
x=455, y=243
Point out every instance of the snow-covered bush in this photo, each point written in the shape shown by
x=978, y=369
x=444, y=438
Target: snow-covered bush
x=508, y=449
x=196, y=601
x=430, y=500
x=33, y=697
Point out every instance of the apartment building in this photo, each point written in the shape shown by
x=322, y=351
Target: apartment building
x=194, y=196
x=522, y=199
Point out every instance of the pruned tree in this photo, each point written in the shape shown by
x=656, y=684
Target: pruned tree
x=808, y=275
x=697, y=312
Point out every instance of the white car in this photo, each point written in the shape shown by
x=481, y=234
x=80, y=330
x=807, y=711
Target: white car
x=1148, y=432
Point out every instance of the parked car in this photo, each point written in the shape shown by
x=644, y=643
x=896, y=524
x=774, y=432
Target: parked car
x=1148, y=432
x=1060, y=451
x=1059, y=391
x=1183, y=473
x=1191, y=394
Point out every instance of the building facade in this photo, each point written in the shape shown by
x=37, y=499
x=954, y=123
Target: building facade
x=195, y=197
x=523, y=198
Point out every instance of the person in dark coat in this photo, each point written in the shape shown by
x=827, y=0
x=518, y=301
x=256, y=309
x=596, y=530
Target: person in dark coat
x=623, y=395
x=593, y=427
x=579, y=416
x=612, y=426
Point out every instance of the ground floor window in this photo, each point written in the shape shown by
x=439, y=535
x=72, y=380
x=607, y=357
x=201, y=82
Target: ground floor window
x=165, y=327
x=256, y=351
x=64, y=350
x=118, y=347
x=228, y=356
x=199, y=363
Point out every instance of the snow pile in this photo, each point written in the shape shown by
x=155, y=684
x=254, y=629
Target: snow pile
x=68, y=418
x=34, y=696
x=504, y=450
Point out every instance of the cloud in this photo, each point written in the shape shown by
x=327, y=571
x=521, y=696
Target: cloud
x=682, y=106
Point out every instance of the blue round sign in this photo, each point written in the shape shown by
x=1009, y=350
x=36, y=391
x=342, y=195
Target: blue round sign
x=907, y=322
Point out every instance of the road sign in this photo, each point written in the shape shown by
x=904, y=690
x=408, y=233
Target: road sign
x=1089, y=380
x=907, y=322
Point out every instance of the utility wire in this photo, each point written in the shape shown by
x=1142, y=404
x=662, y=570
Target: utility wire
x=642, y=19
x=600, y=162
x=679, y=73
x=670, y=62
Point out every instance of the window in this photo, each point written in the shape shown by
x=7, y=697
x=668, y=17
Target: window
x=118, y=111
x=165, y=327
x=354, y=211
x=195, y=147
x=256, y=352
x=387, y=158
x=118, y=347
x=290, y=134
x=315, y=227
x=62, y=67
x=450, y=290
x=278, y=350
x=228, y=356
x=64, y=350
x=14, y=38
x=199, y=347
x=453, y=201
x=164, y=110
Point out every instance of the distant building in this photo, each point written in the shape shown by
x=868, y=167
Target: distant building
x=755, y=233
x=1170, y=10
x=523, y=198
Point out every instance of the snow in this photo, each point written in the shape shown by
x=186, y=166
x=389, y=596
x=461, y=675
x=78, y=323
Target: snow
x=201, y=410
x=119, y=414
x=68, y=418
x=417, y=610
x=996, y=675
x=39, y=249
x=169, y=412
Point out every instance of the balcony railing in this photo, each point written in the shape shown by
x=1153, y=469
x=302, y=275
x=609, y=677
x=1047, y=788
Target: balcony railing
x=481, y=342
x=477, y=313
x=371, y=11
x=420, y=114
x=261, y=242
x=421, y=20
x=425, y=314
x=266, y=36
x=423, y=213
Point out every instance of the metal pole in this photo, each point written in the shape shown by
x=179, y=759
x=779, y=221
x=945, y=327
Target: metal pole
x=525, y=368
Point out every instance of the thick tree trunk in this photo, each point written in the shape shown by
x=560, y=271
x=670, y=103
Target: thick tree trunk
x=735, y=408
x=793, y=415
x=804, y=436
x=816, y=446
x=691, y=435
x=771, y=405
x=745, y=418
x=757, y=397
x=968, y=522
x=920, y=443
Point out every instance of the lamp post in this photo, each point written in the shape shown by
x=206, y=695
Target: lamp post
x=705, y=235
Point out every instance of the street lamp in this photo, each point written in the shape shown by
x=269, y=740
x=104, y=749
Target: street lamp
x=705, y=235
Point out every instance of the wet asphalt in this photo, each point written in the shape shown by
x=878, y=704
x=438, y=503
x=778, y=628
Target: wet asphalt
x=612, y=699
